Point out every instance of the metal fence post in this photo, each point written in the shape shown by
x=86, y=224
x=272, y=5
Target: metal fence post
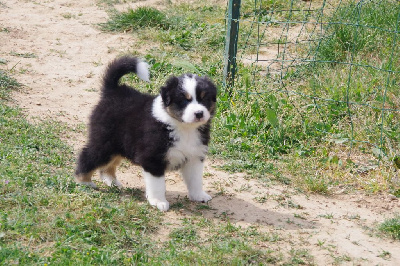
x=231, y=43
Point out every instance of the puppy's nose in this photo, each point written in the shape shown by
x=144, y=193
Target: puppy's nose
x=199, y=114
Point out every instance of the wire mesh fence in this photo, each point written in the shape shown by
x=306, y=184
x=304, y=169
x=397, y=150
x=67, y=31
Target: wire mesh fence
x=329, y=68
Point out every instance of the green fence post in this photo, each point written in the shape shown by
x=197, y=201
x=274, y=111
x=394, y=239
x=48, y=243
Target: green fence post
x=231, y=43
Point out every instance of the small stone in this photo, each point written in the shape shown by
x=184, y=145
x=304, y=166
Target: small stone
x=392, y=197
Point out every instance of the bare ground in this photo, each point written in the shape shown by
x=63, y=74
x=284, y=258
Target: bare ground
x=56, y=50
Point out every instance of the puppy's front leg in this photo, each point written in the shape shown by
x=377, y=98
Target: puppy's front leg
x=155, y=191
x=192, y=174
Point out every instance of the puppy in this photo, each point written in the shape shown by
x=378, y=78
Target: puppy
x=161, y=133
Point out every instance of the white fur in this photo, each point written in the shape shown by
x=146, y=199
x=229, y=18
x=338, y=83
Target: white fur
x=192, y=173
x=142, y=71
x=155, y=191
x=160, y=114
x=189, y=115
x=110, y=180
x=189, y=85
x=90, y=184
x=187, y=146
x=187, y=143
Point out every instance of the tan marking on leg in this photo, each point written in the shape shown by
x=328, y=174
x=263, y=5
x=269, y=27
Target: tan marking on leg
x=85, y=179
x=108, y=172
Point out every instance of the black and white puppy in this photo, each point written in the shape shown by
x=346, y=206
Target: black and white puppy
x=170, y=131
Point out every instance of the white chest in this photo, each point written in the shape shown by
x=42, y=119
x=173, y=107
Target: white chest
x=187, y=146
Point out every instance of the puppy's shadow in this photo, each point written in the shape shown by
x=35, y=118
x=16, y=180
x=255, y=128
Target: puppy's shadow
x=230, y=207
x=239, y=210
x=133, y=193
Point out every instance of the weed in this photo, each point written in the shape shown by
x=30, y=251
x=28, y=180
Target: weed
x=7, y=84
x=23, y=55
x=385, y=255
x=327, y=216
x=291, y=204
x=353, y=217
x=341, y=259
x=261, y=199
x=391, y=227
x=203, y=207
x=300, y=256
x=320, y=243
x=67, y=15
x=316, y=184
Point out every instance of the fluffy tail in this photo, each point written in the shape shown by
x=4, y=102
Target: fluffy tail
x=122, y=66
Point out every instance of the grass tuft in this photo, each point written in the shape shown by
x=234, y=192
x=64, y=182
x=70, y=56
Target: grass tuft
x=7, y=84
x=133, y=19
x=391, y=227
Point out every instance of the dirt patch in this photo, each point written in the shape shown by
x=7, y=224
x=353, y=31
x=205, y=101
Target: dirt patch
x=58, y=52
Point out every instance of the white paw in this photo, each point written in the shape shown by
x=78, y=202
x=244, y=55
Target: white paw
x=107, y=180
x=110, y=181
x=117, y=184
x=200, y=196
x=162, y=205
x=90, y=184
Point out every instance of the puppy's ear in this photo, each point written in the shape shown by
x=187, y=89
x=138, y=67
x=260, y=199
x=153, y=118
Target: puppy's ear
x=214, y=92
x=212, y=88
x=166, y=91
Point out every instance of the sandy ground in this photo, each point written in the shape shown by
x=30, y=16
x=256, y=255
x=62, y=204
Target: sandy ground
x=55, y=48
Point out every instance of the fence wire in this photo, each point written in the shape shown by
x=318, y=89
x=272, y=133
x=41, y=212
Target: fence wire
x=336, y=63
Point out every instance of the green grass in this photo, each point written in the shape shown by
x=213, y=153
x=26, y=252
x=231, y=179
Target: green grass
x=7, y=84
x=141, y=17
x=377, y=20
x=391, y=227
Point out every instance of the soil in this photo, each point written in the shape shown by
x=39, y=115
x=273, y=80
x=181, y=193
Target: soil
x=57, y=51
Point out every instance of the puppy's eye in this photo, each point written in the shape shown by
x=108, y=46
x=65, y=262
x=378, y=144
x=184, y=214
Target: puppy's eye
x=202, y=94
x=187, y=96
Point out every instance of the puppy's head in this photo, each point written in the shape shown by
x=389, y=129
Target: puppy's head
x=190, y=99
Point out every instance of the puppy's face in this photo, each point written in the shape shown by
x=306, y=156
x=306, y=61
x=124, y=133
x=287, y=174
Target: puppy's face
x=189, y=99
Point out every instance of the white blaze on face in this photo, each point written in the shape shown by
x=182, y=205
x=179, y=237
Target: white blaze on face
x=194, y=111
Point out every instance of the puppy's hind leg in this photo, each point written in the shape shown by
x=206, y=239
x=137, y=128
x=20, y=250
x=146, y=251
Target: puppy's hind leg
x=88, y=162
x=85, y=179
x=108, y=172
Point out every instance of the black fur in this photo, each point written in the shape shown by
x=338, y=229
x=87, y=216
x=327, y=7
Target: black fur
x=122, y=123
